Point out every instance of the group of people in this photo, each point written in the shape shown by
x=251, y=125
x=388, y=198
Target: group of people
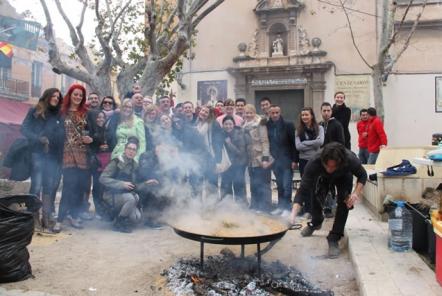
x=129, y=156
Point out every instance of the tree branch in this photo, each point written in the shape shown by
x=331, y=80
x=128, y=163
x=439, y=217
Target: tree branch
x=72, y=32
x=407, y=40
x=119, y=15
x=54, y=54
x=80, y=24
x=104, y=42
x=352, y=35
x=206, y=12
x=80, y=50
x=116, y=46
x=149, y=31
x=390, y=27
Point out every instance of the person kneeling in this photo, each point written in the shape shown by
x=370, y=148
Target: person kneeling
x=118, y=179
x=333, y=166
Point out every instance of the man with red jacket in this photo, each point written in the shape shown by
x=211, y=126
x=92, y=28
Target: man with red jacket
x=376, y=138
x=362, y=127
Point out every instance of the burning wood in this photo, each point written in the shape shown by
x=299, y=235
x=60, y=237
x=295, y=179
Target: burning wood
x=195, y=279
x=229, y=275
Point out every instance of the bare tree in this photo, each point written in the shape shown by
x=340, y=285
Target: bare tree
x=148, y=50
x=386, y=58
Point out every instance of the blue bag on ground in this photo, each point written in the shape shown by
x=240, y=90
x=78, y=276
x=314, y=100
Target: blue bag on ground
x=405, y=168
x=16, y=230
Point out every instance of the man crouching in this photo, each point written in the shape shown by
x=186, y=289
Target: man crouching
x=333, y=166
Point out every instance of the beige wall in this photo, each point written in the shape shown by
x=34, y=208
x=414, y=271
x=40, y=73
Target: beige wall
x=409, y=99
x=410, y=109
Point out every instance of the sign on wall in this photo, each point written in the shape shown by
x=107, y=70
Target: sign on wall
x=211, y=91
x=357, y=92
x=438, y=94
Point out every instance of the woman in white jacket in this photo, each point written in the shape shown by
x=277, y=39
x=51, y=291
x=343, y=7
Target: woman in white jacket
x=259, y=159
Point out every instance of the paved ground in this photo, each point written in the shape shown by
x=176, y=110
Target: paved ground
x=98, y=261
x=379, y=270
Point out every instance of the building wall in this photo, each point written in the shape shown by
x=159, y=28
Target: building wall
x=410, y=90
x=410, y=117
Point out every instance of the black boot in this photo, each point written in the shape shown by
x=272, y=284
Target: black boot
x=122, y=224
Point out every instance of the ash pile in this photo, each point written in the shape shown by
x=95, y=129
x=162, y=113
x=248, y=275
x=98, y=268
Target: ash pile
x=226, y=274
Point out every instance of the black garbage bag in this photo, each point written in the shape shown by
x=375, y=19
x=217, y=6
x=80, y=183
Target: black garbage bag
x=16, y=230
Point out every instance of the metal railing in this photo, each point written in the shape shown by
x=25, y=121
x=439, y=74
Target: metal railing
x=15, y=88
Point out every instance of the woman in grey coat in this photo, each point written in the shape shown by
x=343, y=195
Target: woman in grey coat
x=309, y=137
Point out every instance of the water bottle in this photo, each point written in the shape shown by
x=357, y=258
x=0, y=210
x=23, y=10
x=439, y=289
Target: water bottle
x=400, y=226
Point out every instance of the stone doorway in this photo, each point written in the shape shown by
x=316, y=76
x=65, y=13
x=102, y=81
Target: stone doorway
x=291, y=101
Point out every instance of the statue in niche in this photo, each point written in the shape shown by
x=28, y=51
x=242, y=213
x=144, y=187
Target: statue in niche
x=278, y=46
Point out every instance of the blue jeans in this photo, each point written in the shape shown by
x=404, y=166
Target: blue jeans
x=308, y=202
x=284, y=180
x=75, y=186
x=260, y=189
x=45, y=178
x=372, y=157
x=234, y=179
x=363, y=155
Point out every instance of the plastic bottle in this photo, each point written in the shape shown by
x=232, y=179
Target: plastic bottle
x=400, y=226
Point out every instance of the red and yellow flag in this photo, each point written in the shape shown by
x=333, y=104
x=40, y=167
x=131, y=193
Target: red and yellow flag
x=6, y=49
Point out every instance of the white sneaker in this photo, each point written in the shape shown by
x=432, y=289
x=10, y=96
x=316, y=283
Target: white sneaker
x=276, y=212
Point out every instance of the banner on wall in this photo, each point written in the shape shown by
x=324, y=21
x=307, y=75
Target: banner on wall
x=211, y=91
x=357, y=89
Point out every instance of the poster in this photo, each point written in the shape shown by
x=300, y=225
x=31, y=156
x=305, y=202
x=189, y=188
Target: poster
x=438, y=94
x=211, y=91
x=357, y=89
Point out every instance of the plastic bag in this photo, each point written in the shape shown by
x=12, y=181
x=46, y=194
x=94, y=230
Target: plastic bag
x=16, y=230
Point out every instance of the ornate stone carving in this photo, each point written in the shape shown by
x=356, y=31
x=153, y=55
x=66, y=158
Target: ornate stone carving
x=303, y=41
x=252, y=49
x=277, y=4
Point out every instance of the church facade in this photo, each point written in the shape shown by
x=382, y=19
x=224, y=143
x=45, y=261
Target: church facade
x=298, y=53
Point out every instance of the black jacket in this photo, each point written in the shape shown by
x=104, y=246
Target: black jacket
x=343, y=114
x=19, y=159
x=282, y=142
x=52, y=127
x=112, y=125
x=315, y=169
x=333, y=131
x=236, y=149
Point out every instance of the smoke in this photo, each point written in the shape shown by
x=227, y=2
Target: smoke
x=198, y=207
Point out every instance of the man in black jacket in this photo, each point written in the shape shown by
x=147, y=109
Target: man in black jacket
x=282, y=148
x=333, y=166
x=333, y=130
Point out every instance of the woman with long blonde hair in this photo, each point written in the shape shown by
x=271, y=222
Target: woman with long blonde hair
x=123, y=125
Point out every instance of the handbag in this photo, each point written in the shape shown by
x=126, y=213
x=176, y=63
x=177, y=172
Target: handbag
x=225, y=163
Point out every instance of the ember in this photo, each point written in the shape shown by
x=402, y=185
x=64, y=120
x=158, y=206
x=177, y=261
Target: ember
x=228, y=275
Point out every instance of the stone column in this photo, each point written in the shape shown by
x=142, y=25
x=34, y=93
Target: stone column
x=317, y=86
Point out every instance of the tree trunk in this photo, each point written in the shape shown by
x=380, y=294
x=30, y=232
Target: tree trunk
x=101, y=85
x=152, y=76
x=378, y=90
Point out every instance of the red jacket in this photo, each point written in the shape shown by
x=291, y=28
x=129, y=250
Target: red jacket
x=362, y=127
x=376, y=135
